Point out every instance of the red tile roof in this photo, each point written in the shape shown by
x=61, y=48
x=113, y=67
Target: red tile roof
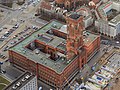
x=45, y=5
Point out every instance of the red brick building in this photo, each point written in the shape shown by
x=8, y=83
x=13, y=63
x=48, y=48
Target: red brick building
x=56, y=53
x=68, y=4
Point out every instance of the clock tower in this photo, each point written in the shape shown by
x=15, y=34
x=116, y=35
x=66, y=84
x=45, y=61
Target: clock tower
x=75, y=32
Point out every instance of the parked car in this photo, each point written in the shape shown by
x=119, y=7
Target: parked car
x=1, y=29
x=3, y=71
x=40, y=88
x=6, y=48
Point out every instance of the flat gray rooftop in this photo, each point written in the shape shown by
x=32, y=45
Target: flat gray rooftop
x=51, y=40
x=42, y=58
x=115, y=20
x=9, y=87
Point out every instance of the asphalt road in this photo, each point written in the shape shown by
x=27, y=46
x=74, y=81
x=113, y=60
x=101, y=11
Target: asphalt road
x=93, y=60
x=44, y=86
x=12, y=73
x=11, y=15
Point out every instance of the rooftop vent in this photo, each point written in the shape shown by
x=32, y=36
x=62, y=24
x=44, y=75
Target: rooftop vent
x=37, y=51
x=54, y=25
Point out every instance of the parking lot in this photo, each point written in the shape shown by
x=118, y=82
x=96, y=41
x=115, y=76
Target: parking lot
x=5, y=31
x=16, y=25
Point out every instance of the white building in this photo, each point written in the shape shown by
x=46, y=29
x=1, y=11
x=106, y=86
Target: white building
x=103, y=9
x=107, y=7
x=115, y=24
x=30, y=85
x=111, y=28
x=116, y=5
x=27, y=81
x=102, y=27
x=88, y=19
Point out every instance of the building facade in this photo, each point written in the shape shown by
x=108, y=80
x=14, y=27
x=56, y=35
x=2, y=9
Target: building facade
x=27, y=81
x=116, y=5
x=68, y=4
x=55, y=55
x=109, y=28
